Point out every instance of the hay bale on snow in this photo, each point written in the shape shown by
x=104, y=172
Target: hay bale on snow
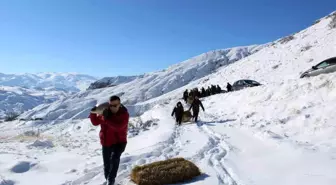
x=186, y=116
x=190, y=99
x=165, y=172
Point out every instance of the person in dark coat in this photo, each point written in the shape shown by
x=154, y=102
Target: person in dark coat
x=203, y=93
x=195, y=107
x=229, y=87
x=213, y=89
x=197, y=93
x=178, y=111
x=209, y=91
x=185, y=95
x=191, y=93
x=113, y=135
x=219, y=89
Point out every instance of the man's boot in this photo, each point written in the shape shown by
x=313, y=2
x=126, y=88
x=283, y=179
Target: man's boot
x=110, y=182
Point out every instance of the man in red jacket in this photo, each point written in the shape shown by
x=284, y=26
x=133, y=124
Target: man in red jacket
x=113, y=135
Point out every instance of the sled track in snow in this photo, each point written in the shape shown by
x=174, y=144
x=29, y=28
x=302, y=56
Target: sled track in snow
x=214, y=153
x=162, y=151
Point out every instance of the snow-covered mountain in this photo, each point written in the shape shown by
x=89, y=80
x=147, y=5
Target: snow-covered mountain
x=140, y=88
x=19, y=99
x=21, y=92
x=180, y=74
x=112, y=81
x=282, y=132
x=58, y=81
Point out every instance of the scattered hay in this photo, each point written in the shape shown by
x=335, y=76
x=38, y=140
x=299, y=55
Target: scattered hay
x=31, y=136
x=165, y=172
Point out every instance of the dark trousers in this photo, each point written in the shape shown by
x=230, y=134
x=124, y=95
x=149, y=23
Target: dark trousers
x=185, y=99
x=179, y=120
x=111, y=158
x=195, y=114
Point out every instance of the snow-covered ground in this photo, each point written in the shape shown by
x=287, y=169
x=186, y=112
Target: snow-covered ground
x=280, y=133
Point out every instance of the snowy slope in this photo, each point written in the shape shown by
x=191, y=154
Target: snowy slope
x=145, y=87
x=60, y=81
x=280, y=133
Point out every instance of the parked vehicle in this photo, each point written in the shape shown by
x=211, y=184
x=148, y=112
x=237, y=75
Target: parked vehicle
x=326, y=66
x=244, y=83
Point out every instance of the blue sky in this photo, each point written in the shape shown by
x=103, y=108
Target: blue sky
x=128, y=37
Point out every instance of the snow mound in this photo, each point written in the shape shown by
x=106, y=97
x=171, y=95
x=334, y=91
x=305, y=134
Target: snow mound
x=41, y=144
x=6, y=182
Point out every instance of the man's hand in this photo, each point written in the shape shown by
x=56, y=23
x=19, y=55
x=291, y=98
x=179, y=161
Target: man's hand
x=106, y=113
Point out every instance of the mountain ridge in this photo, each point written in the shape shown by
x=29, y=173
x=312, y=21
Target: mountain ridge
x=210, y=60
x=72, y=82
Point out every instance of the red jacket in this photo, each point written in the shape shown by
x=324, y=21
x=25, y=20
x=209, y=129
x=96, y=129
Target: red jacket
x=114, y=129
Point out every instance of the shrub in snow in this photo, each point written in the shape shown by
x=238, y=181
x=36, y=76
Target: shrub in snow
x=305, y=48
x=317, y=21
x=137, y=126
x=286, y=39
x=310, y=60
x=276, y=66
x=11, y=116
x=176, y=170
x=332, y=23
x=32, y=133
x=42, y=144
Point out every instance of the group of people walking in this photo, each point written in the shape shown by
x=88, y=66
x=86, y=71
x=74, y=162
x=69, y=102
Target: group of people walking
x=178, y=110
x=114, y=125
x=211, y=90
